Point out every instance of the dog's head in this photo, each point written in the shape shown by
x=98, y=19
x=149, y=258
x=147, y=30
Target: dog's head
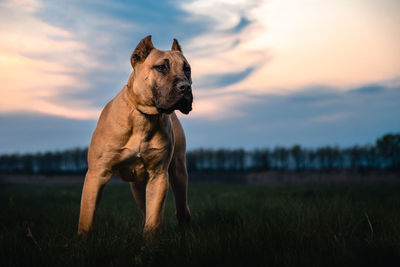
x=161, y=80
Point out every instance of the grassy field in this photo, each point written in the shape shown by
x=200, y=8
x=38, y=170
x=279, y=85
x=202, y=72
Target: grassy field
x=233, y=225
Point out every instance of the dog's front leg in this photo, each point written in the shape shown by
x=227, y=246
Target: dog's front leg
x=91, y=195
x=156, y=192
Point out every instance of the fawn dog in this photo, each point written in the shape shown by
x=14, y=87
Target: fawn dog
x=139, y=137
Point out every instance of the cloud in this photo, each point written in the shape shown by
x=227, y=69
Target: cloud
x=37, y=60
x=33, y=132
x=109, y=31
x=308, y=45
x=337, y=116
x=122, y=25
x=223, y=43
x=219, y=106
x=369, y=89
x=343, y=118
x=314, y=94
x=242, y=24
x=222, y=80
x=282, y=47
x=275, y=68
x=74, y=62
x=60, y=58
x=330, y=117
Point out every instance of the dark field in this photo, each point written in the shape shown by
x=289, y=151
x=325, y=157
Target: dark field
x=233, y=225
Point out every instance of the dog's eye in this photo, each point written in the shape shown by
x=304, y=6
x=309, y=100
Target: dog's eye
x=186, y=70
x=161, y=68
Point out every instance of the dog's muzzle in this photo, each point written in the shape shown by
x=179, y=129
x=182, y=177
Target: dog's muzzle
x=184, y=104
x=180, y=98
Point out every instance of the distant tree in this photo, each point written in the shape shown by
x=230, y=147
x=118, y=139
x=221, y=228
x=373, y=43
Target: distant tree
x=280, y=157
x=313, y=162
x=371, y=157
x=389, y=150
x=220, y=159
x=384, y=154
x=328, y=157
x=355, y=157
x=298, y=157
x=239, y=159
x=321, y=156
x=191, y=161
x=260, y=159
x=27, y=161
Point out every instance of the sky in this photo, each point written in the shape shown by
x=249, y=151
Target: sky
x=265, y=73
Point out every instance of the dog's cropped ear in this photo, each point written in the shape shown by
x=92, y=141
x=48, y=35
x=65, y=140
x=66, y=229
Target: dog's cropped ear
x=142, y=50
x=176, y=46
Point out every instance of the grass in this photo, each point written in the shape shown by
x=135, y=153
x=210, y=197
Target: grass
x=233, y=225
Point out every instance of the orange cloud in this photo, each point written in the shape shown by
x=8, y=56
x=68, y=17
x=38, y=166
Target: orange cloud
x=38, y=61
x=335, y=43
x=289, y=44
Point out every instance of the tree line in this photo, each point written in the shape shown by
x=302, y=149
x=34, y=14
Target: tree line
x=384, y=154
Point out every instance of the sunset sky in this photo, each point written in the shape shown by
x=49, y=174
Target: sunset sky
x=265, y=73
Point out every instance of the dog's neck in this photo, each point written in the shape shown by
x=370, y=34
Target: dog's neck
x=130, y=95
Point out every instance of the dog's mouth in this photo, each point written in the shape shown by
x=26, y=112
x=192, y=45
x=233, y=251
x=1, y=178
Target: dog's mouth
x=184, y=105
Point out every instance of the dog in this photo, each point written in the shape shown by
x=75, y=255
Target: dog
x=139, y=138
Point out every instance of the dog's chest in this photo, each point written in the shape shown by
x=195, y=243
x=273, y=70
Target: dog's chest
x=136, y=164
x=148, y=148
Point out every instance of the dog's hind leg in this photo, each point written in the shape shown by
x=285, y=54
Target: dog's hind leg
x=178, y=178
x=91, y=196
x=139, y=193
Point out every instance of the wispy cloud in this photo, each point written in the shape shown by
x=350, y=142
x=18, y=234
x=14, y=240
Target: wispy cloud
x=330, y=117
x=38, y=61
x=74, y=56
x=282, y=62
x=289, y=45
x=223, y=80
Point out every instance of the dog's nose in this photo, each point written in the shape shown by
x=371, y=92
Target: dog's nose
x=184, y=87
